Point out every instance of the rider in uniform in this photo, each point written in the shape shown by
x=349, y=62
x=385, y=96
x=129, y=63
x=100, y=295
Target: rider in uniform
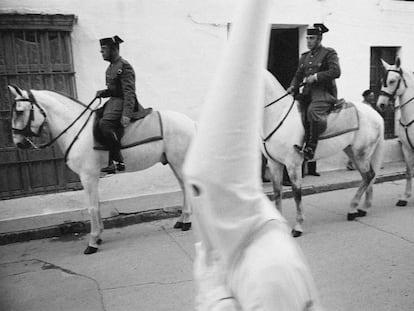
x=122, y=106
x=318, y=68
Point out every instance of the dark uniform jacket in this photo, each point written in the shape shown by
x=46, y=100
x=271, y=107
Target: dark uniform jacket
x=120, y=82
x=324, y=62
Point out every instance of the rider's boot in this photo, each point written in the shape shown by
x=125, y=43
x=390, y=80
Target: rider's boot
x=110, y=169
x=116, y=154
x=116, y=160
x=119, y=160
x=310, y=146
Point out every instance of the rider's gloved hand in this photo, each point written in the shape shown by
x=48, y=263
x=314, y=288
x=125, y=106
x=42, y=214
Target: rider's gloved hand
x=311, y=79
x=290, y=90
x=99, y=94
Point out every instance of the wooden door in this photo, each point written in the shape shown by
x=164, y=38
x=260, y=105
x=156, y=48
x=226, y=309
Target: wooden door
x=33, y=59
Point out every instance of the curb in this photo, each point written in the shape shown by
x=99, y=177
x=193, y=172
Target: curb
x=123, y=220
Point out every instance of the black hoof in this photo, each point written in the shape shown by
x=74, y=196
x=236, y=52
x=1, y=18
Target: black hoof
x=296, y=233
x=361, y=213
x=99, y=241
x=178, y=225
x=90, y=250
x=186, y=226
x=352, y=216
x=401, y=203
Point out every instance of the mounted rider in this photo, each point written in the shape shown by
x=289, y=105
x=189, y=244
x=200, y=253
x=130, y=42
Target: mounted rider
x=318, y=68
x=122, y=106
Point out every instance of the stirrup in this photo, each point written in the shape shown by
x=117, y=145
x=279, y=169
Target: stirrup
x=308, y=153
x=120, y=166
x=110, y=169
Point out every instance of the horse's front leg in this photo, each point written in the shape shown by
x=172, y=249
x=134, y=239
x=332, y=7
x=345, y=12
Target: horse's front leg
x=276, y=172
x=295, y=175
x=90, y=184
x=409, y=162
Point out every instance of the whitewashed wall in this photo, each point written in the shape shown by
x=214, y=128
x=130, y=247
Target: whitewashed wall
x=174, y=45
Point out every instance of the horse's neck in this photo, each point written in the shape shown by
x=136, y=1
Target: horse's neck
x=61, y=112
x=276, y=111
x=407, y=100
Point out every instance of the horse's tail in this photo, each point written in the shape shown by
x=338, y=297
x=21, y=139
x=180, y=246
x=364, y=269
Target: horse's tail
x=378, y=153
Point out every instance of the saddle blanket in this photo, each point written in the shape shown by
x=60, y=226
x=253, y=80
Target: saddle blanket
x=140, y=132
x=343, y=119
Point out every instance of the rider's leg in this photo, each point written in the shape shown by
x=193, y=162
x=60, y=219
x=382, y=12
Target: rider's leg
x=109, y=132
x=317, y=113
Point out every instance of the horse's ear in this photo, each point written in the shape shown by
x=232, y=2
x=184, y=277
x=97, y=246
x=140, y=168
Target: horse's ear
x=397, y=62
x=15, y=90
x=384, y=64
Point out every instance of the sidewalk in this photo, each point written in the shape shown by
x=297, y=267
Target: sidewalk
x=58, y=214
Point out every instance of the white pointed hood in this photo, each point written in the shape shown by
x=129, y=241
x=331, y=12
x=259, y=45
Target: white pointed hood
x=223, y=164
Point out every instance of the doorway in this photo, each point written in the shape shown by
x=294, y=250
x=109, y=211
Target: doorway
x=283, y=54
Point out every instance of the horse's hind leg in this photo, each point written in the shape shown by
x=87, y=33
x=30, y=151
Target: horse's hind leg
x=368, y=193
x=295, y=174
x=90, y=184
x=409, y=162
x=183, y=221
x=364, y=167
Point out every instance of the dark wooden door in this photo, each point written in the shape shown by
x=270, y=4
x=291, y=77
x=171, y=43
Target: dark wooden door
x=33, y=59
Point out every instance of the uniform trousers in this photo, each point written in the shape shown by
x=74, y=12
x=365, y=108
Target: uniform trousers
x=108, y=128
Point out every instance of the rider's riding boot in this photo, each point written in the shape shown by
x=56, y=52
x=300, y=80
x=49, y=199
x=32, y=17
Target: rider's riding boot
x=116, y=154
x=310, y=146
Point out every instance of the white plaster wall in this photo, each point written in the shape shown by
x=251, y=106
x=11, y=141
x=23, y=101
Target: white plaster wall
x=174, y=45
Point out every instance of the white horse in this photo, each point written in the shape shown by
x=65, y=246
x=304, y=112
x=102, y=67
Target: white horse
x=400, y=83
x=71, y=125
x=363, y=146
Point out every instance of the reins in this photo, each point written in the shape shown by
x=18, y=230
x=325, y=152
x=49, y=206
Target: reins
x=281, y=122
x=275, y=101
x=392, y=96
x=26, y=131
x=286, y=115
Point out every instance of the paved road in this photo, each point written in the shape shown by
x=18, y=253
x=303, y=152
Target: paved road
x=360, y=265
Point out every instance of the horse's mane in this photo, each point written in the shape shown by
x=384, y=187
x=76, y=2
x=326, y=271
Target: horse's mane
x=70, y=97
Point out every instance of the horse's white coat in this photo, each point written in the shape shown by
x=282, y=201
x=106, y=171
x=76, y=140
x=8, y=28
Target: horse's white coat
x=405, y=94
x=364, y=146
x=87, y=162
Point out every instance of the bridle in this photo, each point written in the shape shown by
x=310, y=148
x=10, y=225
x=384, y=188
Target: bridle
x=394, y=93
x=392, y=97
x=27, y=132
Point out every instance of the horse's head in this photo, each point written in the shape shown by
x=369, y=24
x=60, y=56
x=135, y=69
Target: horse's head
x=393, y=84
x=27, y=117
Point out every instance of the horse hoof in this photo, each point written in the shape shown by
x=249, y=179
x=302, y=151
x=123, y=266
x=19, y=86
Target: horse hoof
x=90, y=250
x=352, y=216
x=186, y=226
x=99, y=241
x=361, y=213
x=178, y=225
x=401, y=203
x=296, y=233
